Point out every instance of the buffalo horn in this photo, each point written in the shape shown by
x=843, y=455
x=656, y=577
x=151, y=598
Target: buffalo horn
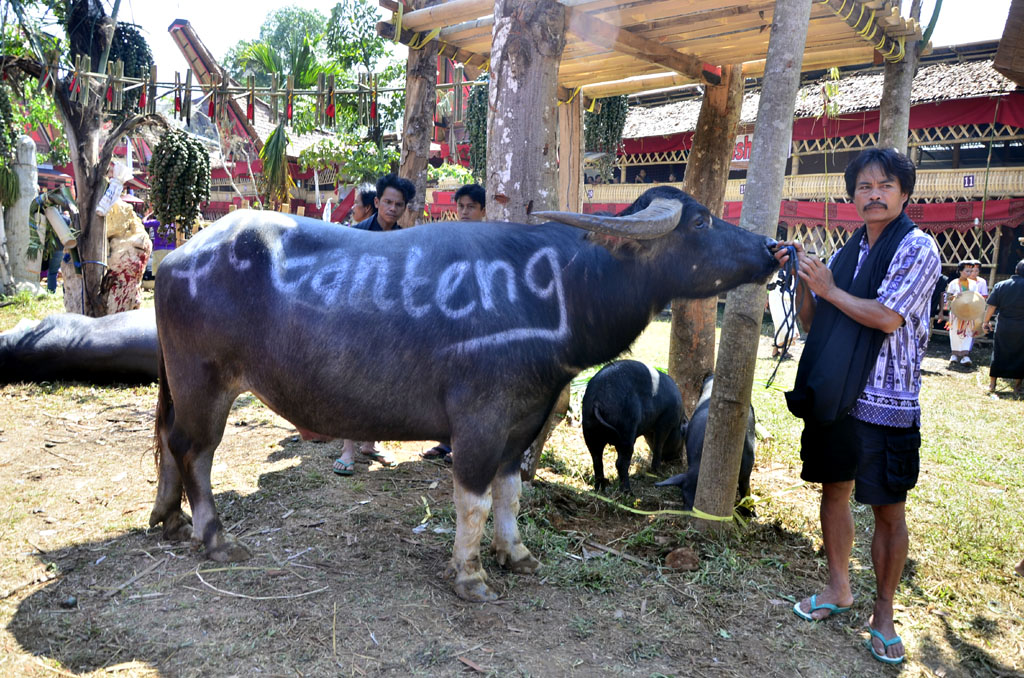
x=655, y=220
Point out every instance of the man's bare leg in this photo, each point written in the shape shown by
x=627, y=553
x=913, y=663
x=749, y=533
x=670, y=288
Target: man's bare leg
x=837, y=535
x=888, y=556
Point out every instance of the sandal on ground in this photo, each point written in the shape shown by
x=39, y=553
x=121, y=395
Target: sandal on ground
x=439, y=451
x=815, y=606
x=884, y=658
x=381, y=458
x=344, y=468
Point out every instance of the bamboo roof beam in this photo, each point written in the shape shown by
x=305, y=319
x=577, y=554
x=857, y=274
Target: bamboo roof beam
x=472, y=62
x=601, y=33
x=636, y=84
x=447, y=14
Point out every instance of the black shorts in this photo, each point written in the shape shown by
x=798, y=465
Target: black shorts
x=883, y=460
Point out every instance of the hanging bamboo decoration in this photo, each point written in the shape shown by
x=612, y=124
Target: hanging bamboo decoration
x=289, y=97
x=177, y=94
x=250, y=100
x=273, y=98
x=329, y=112
x=151, y=107
x=320, y=99
x=187, y=102
x=78, y=77
x=211, y=105
x=458, y=78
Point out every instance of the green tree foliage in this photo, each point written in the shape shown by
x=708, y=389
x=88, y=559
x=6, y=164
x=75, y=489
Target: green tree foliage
x=31, y=107
x=353, y=42
x=283, y=32
x=356, y=158
x=352, y=35
x=180, y=168
x=476, y=126
x=8, y=138
x=449, y=172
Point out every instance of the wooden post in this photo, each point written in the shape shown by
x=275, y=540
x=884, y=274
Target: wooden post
x=741, y=327
x=522, y=130
x=570, y=154
x=526, y=47
x=418, y=126
x=691, y=352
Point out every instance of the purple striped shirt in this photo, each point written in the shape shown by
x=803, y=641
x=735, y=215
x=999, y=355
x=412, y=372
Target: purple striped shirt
x=890, y=396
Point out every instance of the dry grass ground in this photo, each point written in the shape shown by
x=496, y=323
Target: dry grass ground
x=346, y=574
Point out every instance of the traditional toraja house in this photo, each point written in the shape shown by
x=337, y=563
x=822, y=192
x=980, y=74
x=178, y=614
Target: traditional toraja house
x=237, y=165
x=616, y=48
x=966, y=136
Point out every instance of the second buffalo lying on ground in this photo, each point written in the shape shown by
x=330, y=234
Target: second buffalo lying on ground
x=627, y=399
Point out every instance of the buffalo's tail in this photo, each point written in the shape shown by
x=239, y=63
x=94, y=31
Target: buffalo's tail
x=164, y=408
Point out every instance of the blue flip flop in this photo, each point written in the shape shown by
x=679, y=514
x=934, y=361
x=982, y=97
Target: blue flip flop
x=815, y=606
x=885, y=659
x=344, y=468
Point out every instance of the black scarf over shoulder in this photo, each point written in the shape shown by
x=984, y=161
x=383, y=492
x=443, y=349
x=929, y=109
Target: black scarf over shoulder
x=840, y=353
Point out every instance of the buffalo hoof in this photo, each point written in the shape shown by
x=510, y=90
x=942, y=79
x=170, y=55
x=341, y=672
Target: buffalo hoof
x=228, y=551
x=524, y=564
x=527, y=565
x=475, y=591
x=177, y=526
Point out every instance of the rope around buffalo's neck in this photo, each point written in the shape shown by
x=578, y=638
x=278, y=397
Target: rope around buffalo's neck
x=792, y=298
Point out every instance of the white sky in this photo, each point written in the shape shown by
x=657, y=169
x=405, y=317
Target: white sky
x=222, y=23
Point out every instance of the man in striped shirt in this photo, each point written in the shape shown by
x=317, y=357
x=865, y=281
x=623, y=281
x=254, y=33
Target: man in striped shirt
x=858, y=384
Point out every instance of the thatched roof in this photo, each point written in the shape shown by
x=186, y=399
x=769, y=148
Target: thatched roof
x=861, y=92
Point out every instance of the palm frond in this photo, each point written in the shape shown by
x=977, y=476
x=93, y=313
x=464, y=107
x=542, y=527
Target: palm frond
x=275, y=180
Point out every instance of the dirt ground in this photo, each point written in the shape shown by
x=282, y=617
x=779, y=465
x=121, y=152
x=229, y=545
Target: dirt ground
x=346, y=577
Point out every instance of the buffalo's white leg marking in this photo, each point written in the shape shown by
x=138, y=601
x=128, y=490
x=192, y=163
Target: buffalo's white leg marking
x=379, y=267
x=448, y=284
x=485, y=272
x=412, y=282
x=508, y=546
x=471, y=514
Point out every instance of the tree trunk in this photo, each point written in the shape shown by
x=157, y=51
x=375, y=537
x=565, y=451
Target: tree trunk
x=527, y=43
x=18, y=227
x=894, y=108
x=418, y=126
x=691, y=352
x=6, y=279
x=522, y=127
x=741, y=327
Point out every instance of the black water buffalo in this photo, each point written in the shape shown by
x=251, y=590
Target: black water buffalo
x=450, y=331
x=626, y=399
x=687, y=482
x=118, y=348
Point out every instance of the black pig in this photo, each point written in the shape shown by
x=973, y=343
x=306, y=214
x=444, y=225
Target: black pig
x=627, y=399
x=687, y=481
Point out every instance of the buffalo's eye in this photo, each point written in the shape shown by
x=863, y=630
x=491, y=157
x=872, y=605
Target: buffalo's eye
x=701, y=222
